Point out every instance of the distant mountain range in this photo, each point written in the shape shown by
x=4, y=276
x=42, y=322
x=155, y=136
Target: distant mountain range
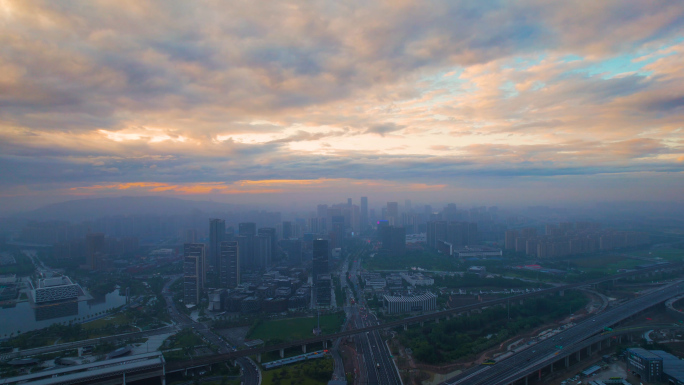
x=85, y=209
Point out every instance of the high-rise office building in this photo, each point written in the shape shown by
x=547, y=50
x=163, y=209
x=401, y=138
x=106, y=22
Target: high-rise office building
x=393, y=239
x=193, y=272
x=338, y=231
x=95, y=247
x=349, y=202
x=271, y=232
x=247, y=231
x=230, y=234
x=245, y=243
x=314, y=226
x=392, y=213
x=229, y=273
x=262, y=251
x=320, y=258
x=293, y=249
x=436, y=231
x=322, y=215
x=217, y=231
x=323, y=290
x=364, y=213
x=247, y=228
x=191, y=236
x=287, y=230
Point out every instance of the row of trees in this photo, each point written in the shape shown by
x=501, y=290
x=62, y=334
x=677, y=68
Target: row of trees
x=465, y=336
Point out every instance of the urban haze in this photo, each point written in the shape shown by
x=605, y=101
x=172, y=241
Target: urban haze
x=359, y=193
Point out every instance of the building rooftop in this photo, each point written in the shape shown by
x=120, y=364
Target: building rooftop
x=672, y=365
x=55, y=281
x=643, y=353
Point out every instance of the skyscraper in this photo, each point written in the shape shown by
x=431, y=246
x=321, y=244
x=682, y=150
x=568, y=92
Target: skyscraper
x=320, y=258
x=193, y=272
x=229, y=274
x=293, y=248
x=262, y=252
x=337, y=230
x=393, y=213
x=95, y=246
x=247, y=231
x=217, y=231
x=271, y=232
x=436, y=231
x=287, y=230
x=393, y=239
x=364, y=213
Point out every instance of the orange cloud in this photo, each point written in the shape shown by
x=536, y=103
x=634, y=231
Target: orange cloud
x=266, y=186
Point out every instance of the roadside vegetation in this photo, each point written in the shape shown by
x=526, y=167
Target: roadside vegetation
x=464, y=337
x=292, y=329
x=313, y=372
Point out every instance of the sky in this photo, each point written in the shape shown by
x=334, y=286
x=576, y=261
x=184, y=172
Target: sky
x=530, y=101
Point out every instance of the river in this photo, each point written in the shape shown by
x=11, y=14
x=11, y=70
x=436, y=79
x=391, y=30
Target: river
x=24, y=317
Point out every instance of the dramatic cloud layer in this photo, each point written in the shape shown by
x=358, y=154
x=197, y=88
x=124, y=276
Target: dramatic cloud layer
x=468, y=99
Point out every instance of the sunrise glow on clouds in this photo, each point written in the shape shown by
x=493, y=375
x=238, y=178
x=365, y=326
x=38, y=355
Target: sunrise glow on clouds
x=236, y=98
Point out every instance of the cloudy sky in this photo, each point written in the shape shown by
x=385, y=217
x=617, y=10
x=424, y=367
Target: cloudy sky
x=479, y=101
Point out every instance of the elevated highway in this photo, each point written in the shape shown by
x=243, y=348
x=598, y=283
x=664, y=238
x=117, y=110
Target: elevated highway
x=563, y=344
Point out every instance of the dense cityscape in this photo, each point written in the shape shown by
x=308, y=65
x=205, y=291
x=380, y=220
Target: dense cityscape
x=451, y=192
x=352, y=292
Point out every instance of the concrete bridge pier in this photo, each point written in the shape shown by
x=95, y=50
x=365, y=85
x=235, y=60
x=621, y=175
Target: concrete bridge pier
x=405, y=326
x=579, y=355
x=304, y=348
x=551, y=366
x=163, y=380
x=282, y=353
x=259, y=357
x=567, y=361
x=325, y=344
x=422, y=323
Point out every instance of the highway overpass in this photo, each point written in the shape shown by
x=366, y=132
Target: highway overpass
x=545, y=353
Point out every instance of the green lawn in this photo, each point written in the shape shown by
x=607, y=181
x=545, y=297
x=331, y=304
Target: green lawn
x=291, y=329
x=606, y=263
x=117, y=319
x=424, y=259
x=313, y=372
x=666, y=254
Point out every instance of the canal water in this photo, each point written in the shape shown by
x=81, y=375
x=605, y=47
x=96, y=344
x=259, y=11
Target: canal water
x=25, y=316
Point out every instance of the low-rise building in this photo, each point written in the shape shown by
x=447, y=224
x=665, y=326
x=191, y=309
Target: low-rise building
x=645, y=364
x=56, y=289
x=407, y=304
x=417, y=279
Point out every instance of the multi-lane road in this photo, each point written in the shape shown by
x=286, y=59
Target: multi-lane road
x=250, y=372
x=378, y=366
x=546, y=352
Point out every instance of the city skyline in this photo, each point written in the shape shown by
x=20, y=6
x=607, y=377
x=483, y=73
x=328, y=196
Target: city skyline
x=465, y=101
